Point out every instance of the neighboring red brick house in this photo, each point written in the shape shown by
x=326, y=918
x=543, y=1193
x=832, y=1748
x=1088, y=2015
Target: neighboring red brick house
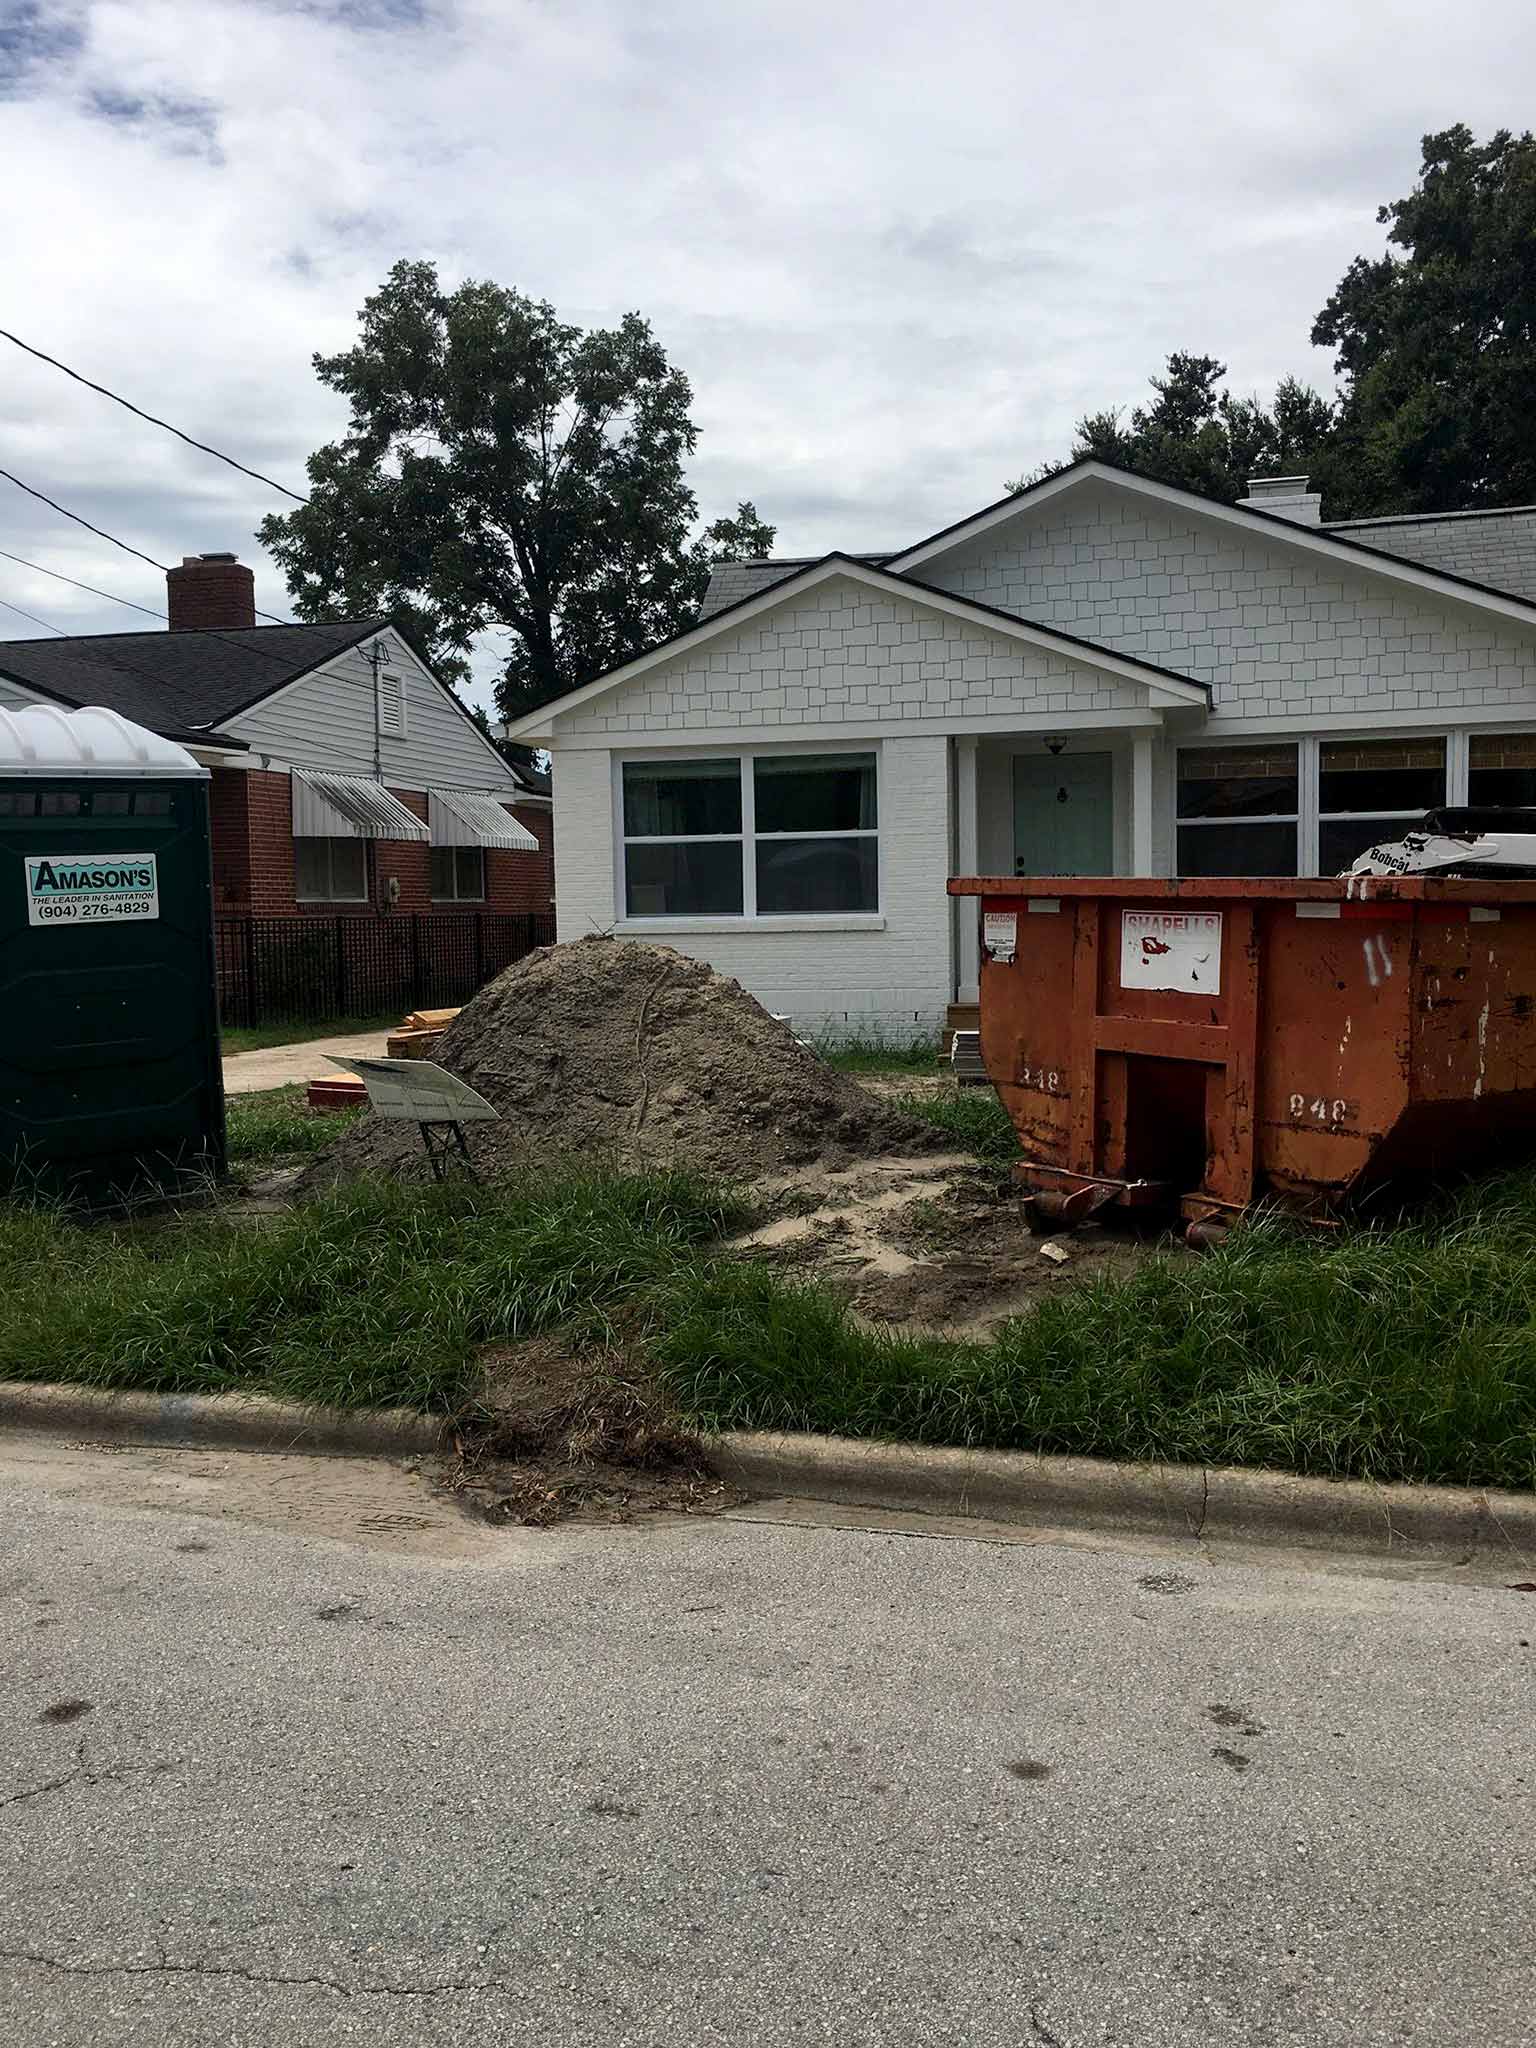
x=346, y=779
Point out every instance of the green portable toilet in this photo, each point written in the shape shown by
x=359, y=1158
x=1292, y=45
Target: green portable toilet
x=110, y=1083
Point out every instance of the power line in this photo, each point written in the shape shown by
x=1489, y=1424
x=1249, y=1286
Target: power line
x=127, y=403
x=110, y=595
x=79, y=521
x=102, y=534
x=32, y=616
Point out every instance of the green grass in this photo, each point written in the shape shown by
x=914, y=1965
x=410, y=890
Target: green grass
x=378, y=1295
x=277, y=1124
x=1406, y=1353
x=973, y=1117
x=298, y=1031
x=878, y=1052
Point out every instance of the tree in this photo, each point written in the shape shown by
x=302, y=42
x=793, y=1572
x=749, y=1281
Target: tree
x=503, y=469
x=1435, y=341
x=1198, y=436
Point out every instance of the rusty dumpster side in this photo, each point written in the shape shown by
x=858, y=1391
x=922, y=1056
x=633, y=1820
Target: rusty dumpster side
x=1208, y=1043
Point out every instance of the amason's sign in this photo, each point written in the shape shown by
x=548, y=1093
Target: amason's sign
x=90, y=888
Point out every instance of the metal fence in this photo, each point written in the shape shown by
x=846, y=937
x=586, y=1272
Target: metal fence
x=275, y=968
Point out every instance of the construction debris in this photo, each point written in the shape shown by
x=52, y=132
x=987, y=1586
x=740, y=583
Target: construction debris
x=621, y=1054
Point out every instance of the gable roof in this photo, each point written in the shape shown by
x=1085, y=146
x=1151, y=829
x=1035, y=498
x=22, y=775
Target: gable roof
x=1163, y=682
x=178, y=683
x=1321, y=540
x=730, y=582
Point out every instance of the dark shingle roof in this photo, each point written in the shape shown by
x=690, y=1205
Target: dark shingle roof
x=1495, y=547
x=177, y=683
x=731, y=582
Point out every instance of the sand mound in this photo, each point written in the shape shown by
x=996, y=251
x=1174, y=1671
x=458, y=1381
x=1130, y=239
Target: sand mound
x=616, y=1053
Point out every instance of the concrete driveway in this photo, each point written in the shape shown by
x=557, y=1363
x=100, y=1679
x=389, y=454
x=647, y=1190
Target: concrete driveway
x=275, y=1774
x=279, y=1066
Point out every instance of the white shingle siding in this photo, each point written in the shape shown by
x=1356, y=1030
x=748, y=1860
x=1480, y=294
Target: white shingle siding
x=845, y=655
x=13, y=695
x=895, y=978
x=1273, y=629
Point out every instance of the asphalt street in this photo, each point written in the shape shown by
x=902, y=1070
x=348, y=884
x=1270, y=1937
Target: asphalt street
x=737, y=1781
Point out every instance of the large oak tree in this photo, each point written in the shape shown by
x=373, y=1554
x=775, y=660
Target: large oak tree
x=502, y=469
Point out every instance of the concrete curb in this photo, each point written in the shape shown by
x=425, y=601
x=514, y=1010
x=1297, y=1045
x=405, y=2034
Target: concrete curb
x=245, y=1422
x=1443, y=1523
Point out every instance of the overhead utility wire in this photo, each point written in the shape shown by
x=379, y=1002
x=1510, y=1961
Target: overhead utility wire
x=127, y=403
x=102, y=534
x=32, y=616
x=58, y=574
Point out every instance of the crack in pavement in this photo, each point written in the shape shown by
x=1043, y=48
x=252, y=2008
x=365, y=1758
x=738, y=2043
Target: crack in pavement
x=1042, y=2032
x=50, y=1784
x=235, y=1971
x=111, y=1774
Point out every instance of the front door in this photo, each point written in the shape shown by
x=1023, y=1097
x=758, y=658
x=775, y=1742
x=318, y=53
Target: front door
x=1063, y=814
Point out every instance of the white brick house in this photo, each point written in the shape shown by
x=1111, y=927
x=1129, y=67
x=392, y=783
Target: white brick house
x=1098, y=675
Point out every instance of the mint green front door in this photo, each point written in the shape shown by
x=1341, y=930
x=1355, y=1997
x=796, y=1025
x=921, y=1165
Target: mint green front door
x=1063, y=814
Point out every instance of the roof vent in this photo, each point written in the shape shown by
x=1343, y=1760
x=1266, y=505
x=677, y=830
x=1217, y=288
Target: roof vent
x=1285, y=497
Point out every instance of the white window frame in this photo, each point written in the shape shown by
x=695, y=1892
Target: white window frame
x=1309, y=817
x=1255, y=741
x=457, y=896
x=746, y=839
x=329, y=843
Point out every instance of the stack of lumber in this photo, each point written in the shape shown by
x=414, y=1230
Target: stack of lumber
x=418, y=1036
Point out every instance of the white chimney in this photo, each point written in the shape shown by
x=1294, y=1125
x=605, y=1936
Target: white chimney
x=1285, y=497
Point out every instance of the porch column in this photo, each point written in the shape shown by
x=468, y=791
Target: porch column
x=967, y=855
x=1141, y=804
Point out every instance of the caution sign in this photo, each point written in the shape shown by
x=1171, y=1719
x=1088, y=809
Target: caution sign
x=1178, y=949
x=90, y=888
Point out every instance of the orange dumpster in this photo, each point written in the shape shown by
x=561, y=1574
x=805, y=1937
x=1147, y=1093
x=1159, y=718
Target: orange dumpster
x=1208, y=1043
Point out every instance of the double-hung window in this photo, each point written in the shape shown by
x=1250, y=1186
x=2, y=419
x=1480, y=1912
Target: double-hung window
x=751, y=835
x=331, y=870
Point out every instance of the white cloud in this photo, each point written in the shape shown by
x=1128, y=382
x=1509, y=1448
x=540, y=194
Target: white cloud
x=898, y=253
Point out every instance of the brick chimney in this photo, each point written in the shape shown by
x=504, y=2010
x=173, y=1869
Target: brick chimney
x=210, y=591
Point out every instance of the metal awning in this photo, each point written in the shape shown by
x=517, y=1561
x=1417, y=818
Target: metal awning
x=469, y=817
x=349, y=807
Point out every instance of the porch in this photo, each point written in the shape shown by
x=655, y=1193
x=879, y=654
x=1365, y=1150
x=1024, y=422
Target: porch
x=1085, y=802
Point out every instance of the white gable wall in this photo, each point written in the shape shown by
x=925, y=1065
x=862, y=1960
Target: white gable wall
x=1281, y=634
x=844, y=654
x=326, y=721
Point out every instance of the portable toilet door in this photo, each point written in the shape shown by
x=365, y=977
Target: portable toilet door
x=110, y=1082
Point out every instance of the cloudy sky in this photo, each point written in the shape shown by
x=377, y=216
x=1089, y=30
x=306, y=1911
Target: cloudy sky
x=897, y=250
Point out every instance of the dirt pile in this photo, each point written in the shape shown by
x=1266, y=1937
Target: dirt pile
x=621, y=1054
x=556, y=1431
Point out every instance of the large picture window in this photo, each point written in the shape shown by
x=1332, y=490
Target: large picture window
x=1237, y=810
x=331, y=870
x=751, y=835
x=1501, y=768
x=1369, y=790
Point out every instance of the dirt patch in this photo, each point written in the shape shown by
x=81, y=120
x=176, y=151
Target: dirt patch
x=939, y=1244
x=616, y=1053
x=558, y=1431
